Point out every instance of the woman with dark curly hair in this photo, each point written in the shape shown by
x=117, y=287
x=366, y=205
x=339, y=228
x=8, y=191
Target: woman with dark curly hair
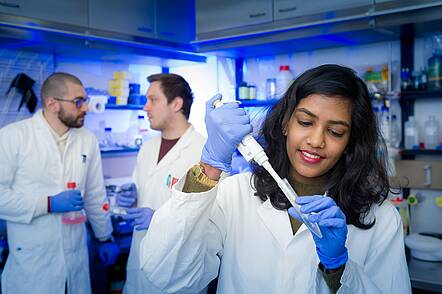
x=322, y=136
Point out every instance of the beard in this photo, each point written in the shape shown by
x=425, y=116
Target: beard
x=71, y=121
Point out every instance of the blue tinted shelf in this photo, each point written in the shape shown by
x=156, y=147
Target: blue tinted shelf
x=126, y=107
x=410, y=95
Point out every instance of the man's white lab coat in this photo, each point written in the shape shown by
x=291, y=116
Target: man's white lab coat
x=154, y=181
x=45, y=254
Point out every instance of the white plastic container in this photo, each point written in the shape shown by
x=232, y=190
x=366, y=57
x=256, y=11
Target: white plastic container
x=431, y=133
x=284, y=79
x=395, y=132
x=411, y=134
x=73, y=217
x=385, y=126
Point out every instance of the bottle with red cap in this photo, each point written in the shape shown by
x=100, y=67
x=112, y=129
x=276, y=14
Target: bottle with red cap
x=284, y=79
x=73, y=217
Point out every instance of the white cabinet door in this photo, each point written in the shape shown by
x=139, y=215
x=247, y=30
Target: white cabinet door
x=284, y=9
x=215, y=15
x=72, y=12
x=130, y=17
x=175, y=20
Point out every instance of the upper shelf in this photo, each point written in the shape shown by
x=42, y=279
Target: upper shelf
x=257, y=103
x=407, y=95
x=125, y=107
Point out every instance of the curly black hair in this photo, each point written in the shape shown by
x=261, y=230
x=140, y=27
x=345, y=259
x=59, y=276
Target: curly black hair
x=359, y=178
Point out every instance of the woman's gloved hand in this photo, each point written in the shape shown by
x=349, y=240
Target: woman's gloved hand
x=141, y=216
x=330, y=248
x=127, y=196
x=69, y=200
x=226, y=126
x=108, y=252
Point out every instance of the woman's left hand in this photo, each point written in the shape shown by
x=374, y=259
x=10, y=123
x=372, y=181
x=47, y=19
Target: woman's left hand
x=330, y=248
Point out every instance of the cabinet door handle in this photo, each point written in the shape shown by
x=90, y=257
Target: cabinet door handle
x=288, y=9
x=144, y=29
x=9, y=5
x=167, y=34
x=427, y=175
x=261, y=14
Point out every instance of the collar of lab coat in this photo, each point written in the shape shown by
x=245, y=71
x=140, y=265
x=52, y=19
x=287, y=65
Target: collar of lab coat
x=278, y=223
x=176, y=150
x=43, y=126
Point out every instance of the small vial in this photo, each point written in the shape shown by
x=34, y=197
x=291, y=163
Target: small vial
x=112, y=207
x=73, y=217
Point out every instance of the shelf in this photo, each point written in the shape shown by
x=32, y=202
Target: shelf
x=425, y=275
x=412, y=95
x=257, y=103
x=118, y=150
x=125, y=107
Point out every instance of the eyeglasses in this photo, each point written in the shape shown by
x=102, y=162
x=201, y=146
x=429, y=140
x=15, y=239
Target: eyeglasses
x=78, y=101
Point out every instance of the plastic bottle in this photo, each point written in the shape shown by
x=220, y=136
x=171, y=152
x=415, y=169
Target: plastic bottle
x=395, y=132
x=108, y=140
x=435, y=71
x=431, y=131
x=134, y=138
x=73, y=217
x=284, y=79
x=143, y=129
x=411, y=134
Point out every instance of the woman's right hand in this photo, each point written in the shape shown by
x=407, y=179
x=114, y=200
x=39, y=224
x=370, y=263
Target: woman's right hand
x=226, y=126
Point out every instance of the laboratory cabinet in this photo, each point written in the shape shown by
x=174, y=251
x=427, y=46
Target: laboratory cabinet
x=131, y=17
x=70, y=12
x=175, y=20
x=214, y=15
x=284, y=9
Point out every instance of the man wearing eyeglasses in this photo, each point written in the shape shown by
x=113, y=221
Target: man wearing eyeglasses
x=38, y=157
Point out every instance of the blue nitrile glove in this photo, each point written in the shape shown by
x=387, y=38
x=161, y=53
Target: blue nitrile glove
x=108, y=252
x=330, y=248
x=127, y=196
x=141, y=216
x=65, y=201
x=226, y=127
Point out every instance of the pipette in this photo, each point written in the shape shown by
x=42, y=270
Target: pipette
x=251, y=150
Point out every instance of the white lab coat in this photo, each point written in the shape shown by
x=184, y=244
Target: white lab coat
x=44, y=253
x=154, y=189
x=252, y=244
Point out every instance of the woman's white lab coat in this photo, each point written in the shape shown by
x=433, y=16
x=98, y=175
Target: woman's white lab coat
x=154, y=182
x=252, y=244
x=44, y=253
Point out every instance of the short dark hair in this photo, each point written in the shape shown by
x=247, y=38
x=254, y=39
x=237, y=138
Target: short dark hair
x=55, y=85
x=173, y=86
x=359, y=178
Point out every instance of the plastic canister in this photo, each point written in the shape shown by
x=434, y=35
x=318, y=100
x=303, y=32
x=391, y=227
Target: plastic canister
x=73, y=217
x=284, y=79
x=411, y=134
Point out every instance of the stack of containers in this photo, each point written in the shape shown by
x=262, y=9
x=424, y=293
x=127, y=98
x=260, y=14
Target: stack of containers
x=119, y=87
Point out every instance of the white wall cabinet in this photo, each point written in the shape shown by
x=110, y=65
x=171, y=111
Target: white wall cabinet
x=129, y=17
x=214, y=15
x=71, y=12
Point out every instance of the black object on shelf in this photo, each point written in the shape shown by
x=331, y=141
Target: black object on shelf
x=411, y=153
x=407, y=95
x=118, y=150
x=257, y=103
x=125, y=107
